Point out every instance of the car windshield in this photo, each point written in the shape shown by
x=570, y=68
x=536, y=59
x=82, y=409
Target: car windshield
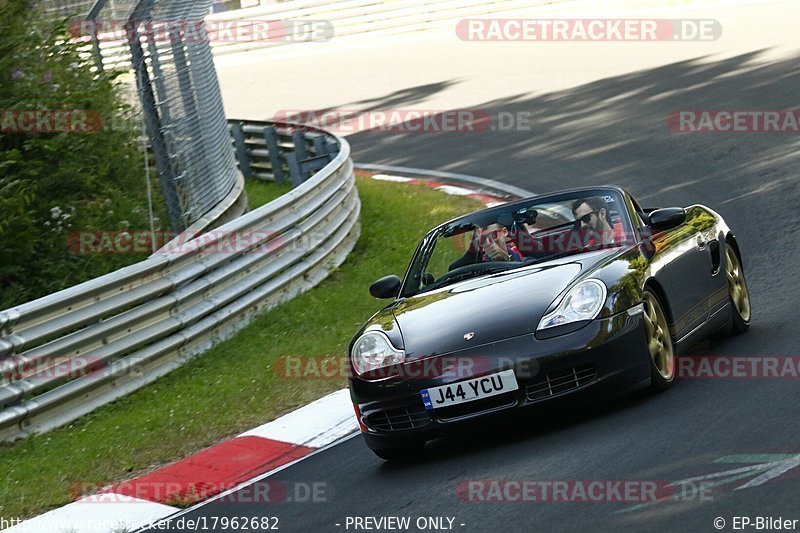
x=514, y=235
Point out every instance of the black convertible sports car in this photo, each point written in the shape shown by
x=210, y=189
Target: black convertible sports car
x=540, y=300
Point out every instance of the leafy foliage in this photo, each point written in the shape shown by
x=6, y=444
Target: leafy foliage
x=55, y=183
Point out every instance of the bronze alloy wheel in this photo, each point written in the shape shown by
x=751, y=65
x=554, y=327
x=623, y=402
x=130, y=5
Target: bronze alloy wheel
x=659, y=341
x=737, y=286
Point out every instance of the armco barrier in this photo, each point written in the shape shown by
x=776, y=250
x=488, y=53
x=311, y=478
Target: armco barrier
x=65, y=354
x=275, y=151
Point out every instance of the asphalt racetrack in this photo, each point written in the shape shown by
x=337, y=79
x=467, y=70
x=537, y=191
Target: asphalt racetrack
x=598, y=114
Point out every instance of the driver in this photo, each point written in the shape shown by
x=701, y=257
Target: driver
x=595, y=221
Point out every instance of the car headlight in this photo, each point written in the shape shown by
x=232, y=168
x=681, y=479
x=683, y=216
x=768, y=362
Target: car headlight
x=374, y=350
x=583, y=302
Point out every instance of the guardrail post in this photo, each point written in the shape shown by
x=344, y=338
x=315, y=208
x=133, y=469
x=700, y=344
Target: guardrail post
x=332, y=147
x=320, y=147
x=294, y=169
x=271, y=138
x=299, y=141
x=300, y=152
x=241, y=150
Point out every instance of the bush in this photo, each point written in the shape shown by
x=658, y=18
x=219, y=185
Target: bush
x=52, y=183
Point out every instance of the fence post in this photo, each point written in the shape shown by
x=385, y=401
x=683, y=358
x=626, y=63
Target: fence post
x=154, y=130
x=92, y=16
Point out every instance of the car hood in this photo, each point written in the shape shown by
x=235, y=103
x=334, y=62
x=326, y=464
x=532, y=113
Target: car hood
x=490, y=308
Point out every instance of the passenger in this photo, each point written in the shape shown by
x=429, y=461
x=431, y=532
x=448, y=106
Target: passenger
x=496, y=246
x=488, y=244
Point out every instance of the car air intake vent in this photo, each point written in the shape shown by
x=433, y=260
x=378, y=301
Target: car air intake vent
x=560, y=381
x=399, y=419
x=493, y=403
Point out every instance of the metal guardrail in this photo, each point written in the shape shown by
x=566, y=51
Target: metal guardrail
x=274, y=151
x=65, y=354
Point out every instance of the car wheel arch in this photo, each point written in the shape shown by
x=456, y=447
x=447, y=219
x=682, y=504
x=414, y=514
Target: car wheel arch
x=653, y=285
x=743, y=324
x=731, y=240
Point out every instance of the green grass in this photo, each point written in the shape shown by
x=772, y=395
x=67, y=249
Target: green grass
x=260, y=192
x=232, y=387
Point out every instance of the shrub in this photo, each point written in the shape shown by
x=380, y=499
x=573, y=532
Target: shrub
x=53, y=183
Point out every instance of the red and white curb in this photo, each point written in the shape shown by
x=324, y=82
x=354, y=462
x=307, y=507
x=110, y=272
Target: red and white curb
x=489, y=200
x=488, y=191
x=144, y=500
x=222, y=468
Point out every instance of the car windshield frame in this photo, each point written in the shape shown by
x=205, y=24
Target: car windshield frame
x=412, y=280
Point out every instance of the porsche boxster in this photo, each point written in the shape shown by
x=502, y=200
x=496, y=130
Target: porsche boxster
x=538, y=301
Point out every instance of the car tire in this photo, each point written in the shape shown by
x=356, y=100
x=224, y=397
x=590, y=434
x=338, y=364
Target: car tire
x=400, y=453
x=660, y=348
x=738, y=293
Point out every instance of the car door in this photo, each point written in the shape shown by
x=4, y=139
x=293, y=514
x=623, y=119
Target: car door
x=687, y=264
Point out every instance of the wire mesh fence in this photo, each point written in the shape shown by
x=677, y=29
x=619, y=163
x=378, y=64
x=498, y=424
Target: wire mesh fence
x=178, y=89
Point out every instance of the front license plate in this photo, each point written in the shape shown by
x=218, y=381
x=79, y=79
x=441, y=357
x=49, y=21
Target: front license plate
x=469, y=390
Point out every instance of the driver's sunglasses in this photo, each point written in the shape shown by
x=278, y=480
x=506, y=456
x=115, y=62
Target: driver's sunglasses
x=587, y=217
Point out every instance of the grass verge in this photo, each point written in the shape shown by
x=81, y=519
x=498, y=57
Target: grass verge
x=260, y=192
x=232, y=387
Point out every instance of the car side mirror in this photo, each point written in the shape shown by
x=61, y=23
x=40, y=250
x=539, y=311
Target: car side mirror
x=386, y=287
x=667, y=218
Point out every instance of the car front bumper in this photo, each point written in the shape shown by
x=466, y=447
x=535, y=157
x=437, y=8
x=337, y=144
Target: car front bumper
x=606, y=357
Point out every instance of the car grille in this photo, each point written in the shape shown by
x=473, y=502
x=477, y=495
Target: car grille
x=399, y=419
x=560, y=381
x=474, y=407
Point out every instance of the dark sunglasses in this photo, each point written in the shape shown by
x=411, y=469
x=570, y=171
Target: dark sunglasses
x=586, y=218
